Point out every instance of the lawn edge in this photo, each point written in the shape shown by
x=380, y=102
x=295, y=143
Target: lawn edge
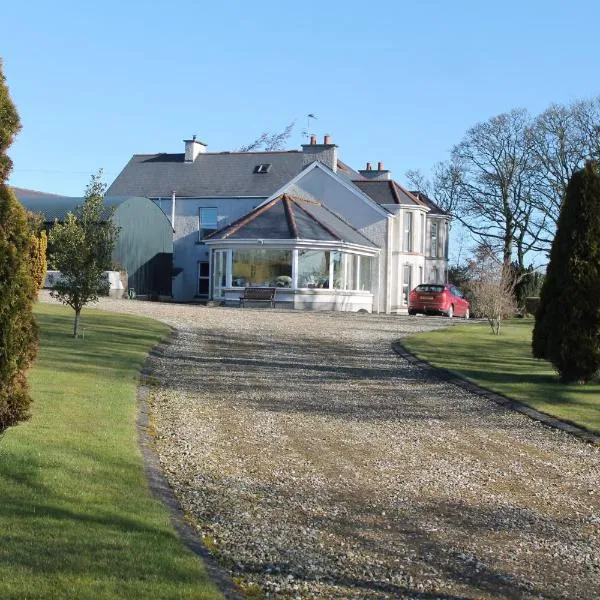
x=160, y=488
x=468, y=384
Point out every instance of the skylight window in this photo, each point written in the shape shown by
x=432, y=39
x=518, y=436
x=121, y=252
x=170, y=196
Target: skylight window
x=263, y=168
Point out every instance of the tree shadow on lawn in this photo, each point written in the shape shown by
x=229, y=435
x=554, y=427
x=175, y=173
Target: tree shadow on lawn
x=99, y=540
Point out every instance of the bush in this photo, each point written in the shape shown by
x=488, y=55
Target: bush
x=18, y=332
x=567, y=325
x=18, y=290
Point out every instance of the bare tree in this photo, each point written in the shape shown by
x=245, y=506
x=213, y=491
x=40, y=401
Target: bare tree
x=562, y=139
x=492, y=288
x=492, y=188
x=269, y=142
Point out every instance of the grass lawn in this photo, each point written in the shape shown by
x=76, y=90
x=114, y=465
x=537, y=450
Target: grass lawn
x=504, y=364
x=77, y=519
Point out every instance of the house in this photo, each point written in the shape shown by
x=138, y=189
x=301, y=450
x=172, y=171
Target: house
x=329, y=236
x=144, y=247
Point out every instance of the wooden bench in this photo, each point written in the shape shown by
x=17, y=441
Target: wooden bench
x=254, y=294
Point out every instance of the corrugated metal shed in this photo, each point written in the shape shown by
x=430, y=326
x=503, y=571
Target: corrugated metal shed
x=144, y=247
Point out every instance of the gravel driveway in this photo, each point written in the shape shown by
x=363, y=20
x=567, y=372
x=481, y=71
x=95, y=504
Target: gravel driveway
x=319, y=464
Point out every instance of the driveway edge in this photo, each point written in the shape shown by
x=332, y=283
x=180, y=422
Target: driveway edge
x=161, y=489
x=466, y=384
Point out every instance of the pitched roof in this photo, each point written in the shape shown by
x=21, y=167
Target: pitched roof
x=23, y=192
x=290, y=217
x=210, y=175
x=388, y=191
x=55, y=208
x=434, y=208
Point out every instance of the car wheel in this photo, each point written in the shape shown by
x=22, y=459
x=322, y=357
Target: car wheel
x=450, y=312
x=467, y=313
x=412, y=313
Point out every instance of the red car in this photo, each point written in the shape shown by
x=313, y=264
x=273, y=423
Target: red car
x=438, y=298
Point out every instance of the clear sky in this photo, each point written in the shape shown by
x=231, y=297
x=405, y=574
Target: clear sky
x=398, y=81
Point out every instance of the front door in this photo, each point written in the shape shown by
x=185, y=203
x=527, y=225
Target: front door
x=203, y=279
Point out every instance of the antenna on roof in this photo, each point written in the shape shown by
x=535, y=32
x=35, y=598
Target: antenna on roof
x=309, y=116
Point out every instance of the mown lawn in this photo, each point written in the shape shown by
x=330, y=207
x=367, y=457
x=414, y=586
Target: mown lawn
x=504, y=364
x=76, y=517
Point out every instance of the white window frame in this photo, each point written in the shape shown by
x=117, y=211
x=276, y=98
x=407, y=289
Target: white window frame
x=407, y=241
x=204, y=231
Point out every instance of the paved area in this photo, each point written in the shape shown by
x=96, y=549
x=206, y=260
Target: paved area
x=318, y=464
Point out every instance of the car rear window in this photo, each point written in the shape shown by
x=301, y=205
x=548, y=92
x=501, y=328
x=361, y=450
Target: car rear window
x=431, y=288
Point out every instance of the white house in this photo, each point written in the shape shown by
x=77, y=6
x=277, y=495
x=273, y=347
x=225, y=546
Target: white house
x=329, y=236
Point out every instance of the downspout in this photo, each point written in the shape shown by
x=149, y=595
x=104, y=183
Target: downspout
x=173, y=210
x=388, y=267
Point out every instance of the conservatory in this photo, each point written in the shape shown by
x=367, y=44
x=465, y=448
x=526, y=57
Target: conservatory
x=313, y=258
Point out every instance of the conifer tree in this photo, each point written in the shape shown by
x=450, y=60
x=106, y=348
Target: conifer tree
x=18, y=331
x=567, y=324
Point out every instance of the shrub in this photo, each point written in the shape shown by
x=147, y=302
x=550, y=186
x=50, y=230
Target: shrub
x=18, y=290
x=18, y=332
x=567, y=325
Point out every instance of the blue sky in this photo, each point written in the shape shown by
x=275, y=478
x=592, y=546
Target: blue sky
x=398, y=81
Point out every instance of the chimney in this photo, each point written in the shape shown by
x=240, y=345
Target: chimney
x=325, y=153
x=380, y=175
x=193, y=147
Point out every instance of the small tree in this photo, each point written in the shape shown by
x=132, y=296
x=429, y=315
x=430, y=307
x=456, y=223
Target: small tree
x=269, y=142
x=491, y=288
x=567, y=324
x=82, y=250
x=18, y=331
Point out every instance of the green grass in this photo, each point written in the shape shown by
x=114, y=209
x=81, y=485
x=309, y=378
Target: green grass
x=504, y=364
x=77, y=519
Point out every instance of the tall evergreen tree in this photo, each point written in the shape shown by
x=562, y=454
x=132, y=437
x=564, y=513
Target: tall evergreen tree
x=18, y=332
x=567, y=325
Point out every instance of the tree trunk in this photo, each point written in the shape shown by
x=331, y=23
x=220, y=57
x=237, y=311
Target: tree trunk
x=76, y=324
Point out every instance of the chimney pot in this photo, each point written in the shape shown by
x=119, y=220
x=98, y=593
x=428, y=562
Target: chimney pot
x=380, y=166
x=369, y=168
x=327, y=139
x=313, y=140
x=194, y=138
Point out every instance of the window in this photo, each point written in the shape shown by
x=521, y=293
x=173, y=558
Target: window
x=263, y=168
x=422, y=233
x=406, y=282
x=313, y=269
x=351, y=266
x=420, y=274
x=262, y=268
x=219, y=272
x=207, y=222
x=407, y=247
x=364, y=283
x=434, y=275
x=203, y=278
x=434, y=239
x=338, y=270
x=446, y=240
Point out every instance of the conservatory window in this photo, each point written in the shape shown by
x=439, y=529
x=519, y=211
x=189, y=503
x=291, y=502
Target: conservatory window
x=364, y=283
x=262, y=268
x=337, y=268
x=351, y=265
x=313, y=269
